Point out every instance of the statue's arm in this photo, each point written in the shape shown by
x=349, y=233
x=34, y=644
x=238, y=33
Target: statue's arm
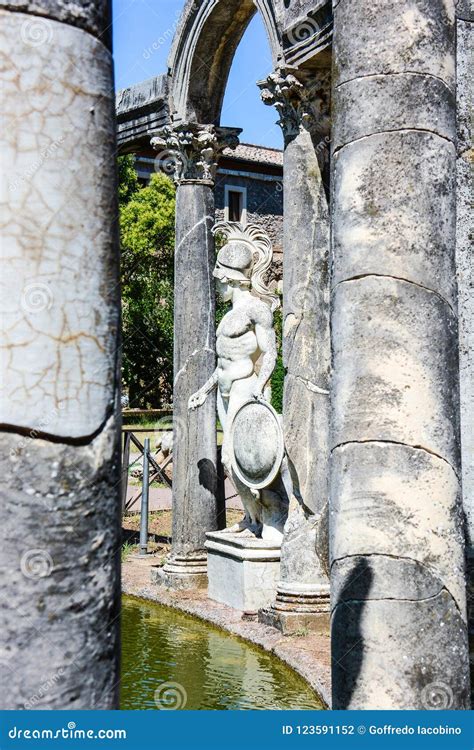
x=266, y=339
x=210, y=384
x=198, y=398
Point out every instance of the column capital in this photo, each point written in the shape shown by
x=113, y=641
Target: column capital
x=302, y=99
x=190, y=151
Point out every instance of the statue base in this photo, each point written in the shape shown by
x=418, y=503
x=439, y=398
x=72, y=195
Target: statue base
x=181, y=572
x=299, y=607
x=243, y=572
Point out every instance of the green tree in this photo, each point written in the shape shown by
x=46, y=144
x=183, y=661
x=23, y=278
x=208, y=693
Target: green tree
x=128, y=179
x=147, y=240
x=147, y=217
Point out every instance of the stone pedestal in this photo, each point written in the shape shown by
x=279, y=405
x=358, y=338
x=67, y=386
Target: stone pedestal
x=299, y=607
x=242, y=572
x=182, y=572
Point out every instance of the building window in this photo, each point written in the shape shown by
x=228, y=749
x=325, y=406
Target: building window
x=235, y=204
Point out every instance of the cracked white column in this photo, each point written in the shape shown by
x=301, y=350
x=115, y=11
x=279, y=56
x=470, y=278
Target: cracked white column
x=396, y=530
x=303, y=103
x=60, y=453
x=191, y=151
x=465, y=273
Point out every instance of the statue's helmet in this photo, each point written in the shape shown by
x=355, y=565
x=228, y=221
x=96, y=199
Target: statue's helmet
x=235, y=261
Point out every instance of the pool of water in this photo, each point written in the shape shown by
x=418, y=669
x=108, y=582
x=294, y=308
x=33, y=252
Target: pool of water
x=170, y=660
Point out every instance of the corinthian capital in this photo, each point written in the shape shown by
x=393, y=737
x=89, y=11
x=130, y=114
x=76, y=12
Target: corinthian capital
x=302, y=99
x=191, y=151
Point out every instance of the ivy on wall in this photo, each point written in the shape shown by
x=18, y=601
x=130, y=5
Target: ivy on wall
x=278, y=377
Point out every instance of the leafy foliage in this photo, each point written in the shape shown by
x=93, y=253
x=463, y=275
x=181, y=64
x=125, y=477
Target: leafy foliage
x=278, y=377
x=221, y=307
x=147, y=239
x=128, y=179
x=147, y=218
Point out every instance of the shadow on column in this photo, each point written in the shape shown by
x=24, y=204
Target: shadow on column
x=346, y=634
x=213, y=480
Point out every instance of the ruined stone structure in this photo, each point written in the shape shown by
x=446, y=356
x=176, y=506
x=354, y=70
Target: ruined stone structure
x=248, y=187
x=258, y=173
x=60, y=317
x=465, y=272
x=397, y=532
x=373, y=100
x=365, y=95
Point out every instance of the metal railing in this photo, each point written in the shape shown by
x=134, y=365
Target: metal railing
x=158, y=472
x=153, y=471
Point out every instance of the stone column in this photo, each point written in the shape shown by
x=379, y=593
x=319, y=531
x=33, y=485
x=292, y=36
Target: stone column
x=190, y=152
x=303, y=105
x=396, y=527
x=60, y=453
x=465, y=274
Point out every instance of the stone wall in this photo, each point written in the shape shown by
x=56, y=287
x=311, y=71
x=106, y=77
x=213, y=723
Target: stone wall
x=264, y=207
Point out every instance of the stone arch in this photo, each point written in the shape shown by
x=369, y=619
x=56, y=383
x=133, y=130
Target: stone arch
x=207, y=38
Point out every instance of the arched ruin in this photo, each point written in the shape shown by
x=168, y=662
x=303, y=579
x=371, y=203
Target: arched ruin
x=373, y=102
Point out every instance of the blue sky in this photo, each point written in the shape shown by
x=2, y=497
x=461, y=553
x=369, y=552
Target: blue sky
x=142, y=38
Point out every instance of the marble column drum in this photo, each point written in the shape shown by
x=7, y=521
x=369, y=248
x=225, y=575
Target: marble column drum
x=465, y=273
x=396, y=526
x=194, y=434
x=60, y=415
x=193, y=150
x=303, y=591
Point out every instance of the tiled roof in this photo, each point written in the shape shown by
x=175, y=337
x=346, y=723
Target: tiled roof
x=260, y=154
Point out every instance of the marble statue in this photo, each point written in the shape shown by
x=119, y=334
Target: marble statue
x=247, y=353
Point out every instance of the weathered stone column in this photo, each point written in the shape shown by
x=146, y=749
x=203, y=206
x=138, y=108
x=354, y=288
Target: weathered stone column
x=465, y=274
x=191, y=152
x=303, y=105
x=60, y=452
x=396, y=530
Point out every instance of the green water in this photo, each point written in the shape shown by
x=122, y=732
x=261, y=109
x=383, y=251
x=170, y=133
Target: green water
x=207, y=668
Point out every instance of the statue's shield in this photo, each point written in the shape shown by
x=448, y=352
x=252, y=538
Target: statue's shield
x=256, y=444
